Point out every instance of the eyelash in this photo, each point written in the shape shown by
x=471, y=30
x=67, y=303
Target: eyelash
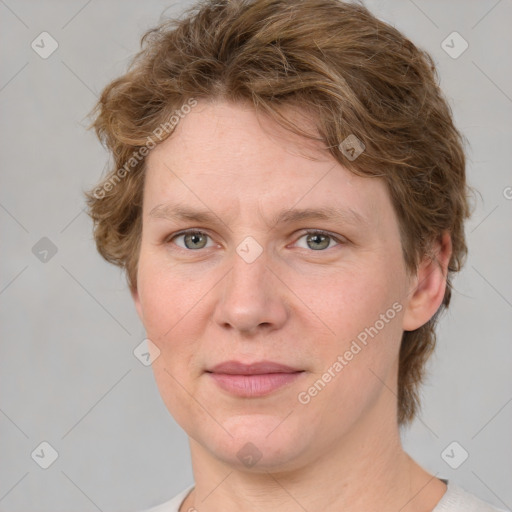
x=305, y=233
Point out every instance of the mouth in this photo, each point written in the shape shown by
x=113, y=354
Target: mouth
x=254, y=379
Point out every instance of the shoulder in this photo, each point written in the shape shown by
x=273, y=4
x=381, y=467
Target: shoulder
x=456, y=499
x=173, y=505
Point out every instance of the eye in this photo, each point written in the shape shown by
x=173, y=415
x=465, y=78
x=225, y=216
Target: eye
x=318, y=240
x=192, y=240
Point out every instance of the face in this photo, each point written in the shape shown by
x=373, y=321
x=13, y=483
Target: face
x=238, y=263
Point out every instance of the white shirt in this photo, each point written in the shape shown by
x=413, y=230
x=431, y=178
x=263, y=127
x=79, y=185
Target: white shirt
x=455, y=499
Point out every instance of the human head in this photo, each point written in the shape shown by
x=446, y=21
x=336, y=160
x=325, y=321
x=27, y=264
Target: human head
x=350, y=73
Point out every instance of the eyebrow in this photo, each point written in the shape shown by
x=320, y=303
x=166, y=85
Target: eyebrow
x=287, y=216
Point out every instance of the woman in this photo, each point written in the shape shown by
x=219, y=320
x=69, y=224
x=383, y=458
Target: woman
x=288, y=200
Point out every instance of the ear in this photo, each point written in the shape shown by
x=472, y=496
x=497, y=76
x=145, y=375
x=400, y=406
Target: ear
x=427, y=288
x=136, y=300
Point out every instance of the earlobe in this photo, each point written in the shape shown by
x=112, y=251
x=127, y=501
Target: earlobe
x=428, y=288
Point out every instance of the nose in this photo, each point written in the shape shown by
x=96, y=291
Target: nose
x=251, y=300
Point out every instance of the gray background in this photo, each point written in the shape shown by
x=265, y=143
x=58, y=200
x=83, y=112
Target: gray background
x=68, y=326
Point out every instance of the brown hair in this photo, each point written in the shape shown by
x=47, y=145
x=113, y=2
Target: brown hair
x=354, y=74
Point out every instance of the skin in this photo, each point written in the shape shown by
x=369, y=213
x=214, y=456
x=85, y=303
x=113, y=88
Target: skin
x=294, y=304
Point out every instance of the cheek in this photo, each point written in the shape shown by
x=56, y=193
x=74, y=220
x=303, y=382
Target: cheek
x=363, y=313
x=174, y=310
x=170, y=307
x=166, y=297
x=351, y=299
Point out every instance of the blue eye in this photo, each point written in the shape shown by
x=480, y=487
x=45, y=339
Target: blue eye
x=192, y=240
x=319, y=240
x=315, y=240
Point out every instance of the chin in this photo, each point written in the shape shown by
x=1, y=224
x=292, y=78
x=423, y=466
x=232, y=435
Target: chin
x=259, y=443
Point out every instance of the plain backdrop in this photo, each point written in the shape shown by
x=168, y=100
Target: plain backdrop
x=68, y=373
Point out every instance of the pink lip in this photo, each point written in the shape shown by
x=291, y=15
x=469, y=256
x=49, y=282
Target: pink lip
x=251, y=386
x=252, y=380
x=258, y=368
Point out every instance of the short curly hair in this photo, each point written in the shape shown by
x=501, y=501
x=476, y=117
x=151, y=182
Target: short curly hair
x=354, y=74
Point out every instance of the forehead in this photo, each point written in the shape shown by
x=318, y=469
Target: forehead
x=221, y=132
x=224, y=154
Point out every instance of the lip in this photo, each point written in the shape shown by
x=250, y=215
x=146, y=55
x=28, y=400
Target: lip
x=256, y=368
x=252, y=380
